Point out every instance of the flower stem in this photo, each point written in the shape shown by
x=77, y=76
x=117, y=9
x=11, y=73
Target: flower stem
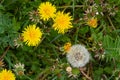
x=79, y=6
x=4, y=53
x=81, y=70
x=113, y=27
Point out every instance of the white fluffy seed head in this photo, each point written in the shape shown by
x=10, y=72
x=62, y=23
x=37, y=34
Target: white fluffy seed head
x=78, y=56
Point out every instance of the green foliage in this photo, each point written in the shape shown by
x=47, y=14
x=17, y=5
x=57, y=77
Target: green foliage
x=47, y=61
x=8, y=29
x=112, y=47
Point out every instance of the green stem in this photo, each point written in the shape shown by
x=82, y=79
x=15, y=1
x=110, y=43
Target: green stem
x=43, y=74
x=76, y=36
x=73, y=6
x=78, y=6
x=28, y=77
x=4, y=53
x=56, y=38
x=113, y=74
x=113, y=48
x=113, y=27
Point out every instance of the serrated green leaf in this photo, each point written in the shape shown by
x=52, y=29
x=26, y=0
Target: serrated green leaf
x=1, y=29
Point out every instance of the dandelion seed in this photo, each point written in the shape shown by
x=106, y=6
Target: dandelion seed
x=46, y=11
x=7, y=75
x=78, y=56
x=62, y=22
x=32, y=35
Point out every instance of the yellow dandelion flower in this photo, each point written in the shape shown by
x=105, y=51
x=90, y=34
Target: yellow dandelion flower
x=7, y=75
x=62, y=22
x=46, y=10
x=92, y=22
x=67, y=46
x=32, y=35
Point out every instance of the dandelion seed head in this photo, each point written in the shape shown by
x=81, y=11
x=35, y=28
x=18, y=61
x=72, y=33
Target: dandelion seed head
x=78, y=56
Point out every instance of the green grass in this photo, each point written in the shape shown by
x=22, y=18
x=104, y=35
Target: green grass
x=47, y=61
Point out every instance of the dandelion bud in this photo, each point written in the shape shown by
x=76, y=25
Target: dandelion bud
x=18, y=41
x=19, y=69
x=92, y=22
x=34, y=16
x=78, y=56
x=69, y=69
x=67, y=46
